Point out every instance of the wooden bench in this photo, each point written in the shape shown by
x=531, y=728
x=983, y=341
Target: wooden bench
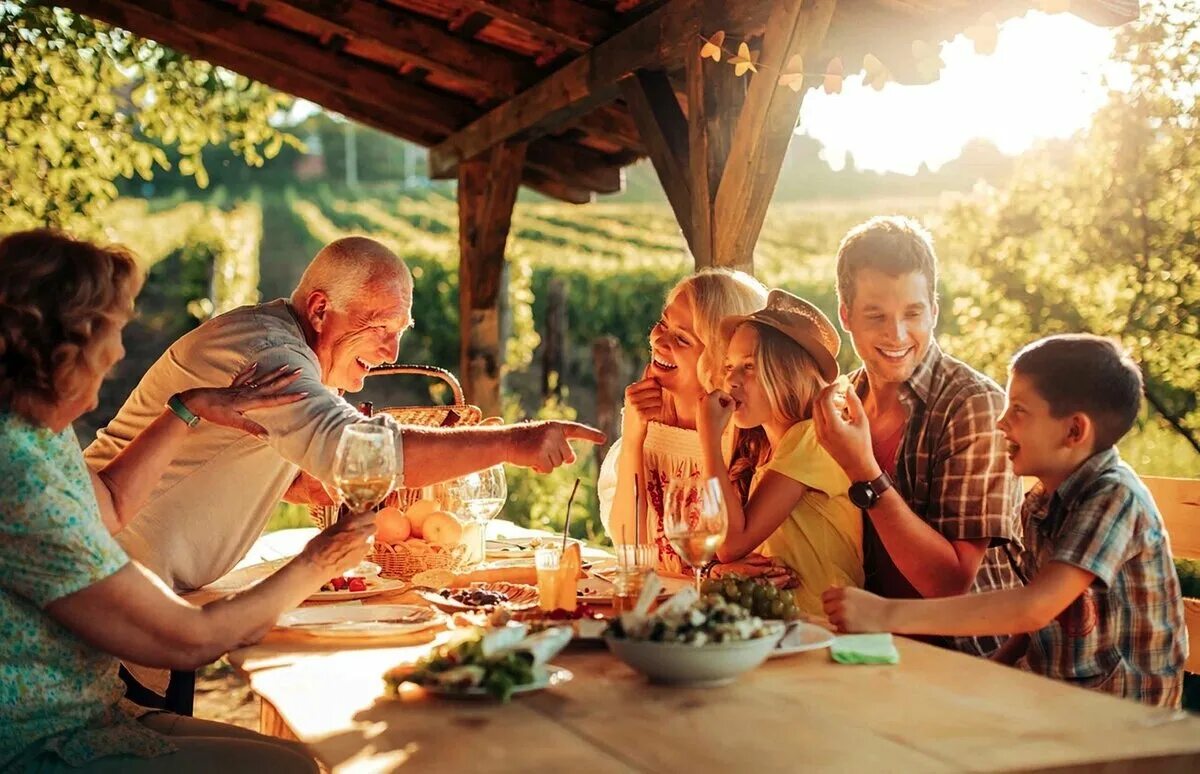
x=1178, y=500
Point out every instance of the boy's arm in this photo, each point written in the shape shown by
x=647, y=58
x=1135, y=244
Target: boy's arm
x=1012, y=650
x=1011, y=611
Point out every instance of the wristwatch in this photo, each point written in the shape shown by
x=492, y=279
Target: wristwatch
x=864, y=494
x=175, y=404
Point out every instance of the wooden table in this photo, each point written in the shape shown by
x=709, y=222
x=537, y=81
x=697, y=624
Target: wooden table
x=935, y=711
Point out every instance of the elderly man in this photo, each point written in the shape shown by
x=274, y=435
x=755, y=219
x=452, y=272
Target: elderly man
x=348, y=313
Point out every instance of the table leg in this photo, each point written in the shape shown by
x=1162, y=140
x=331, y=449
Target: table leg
x=270, y=722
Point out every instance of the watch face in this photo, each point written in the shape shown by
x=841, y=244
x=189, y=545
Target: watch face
x=862, y=494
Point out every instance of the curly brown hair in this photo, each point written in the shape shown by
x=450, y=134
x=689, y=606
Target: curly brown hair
x=58, y=294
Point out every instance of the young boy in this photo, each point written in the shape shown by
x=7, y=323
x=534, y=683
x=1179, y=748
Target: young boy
x=1103, y=607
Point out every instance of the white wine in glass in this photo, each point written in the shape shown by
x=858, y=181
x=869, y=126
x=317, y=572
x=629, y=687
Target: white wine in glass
x=695, y=521
x=364, y=467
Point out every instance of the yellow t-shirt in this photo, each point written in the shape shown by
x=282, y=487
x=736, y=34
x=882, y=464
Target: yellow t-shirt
x=821, y=539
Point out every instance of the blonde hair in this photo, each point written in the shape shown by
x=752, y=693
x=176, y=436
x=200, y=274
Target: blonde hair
x=791, y=379
x=346, y=269
x=715, y=294
x=58, y=296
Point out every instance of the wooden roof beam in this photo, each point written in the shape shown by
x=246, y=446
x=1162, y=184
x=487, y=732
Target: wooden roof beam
x=224, y=29
x=577, y=165
x=578, y=87
x=567, y=23
x=425, y=42
x=300, y=82
x=555, y=188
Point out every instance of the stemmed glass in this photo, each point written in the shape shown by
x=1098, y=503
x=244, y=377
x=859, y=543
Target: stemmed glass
x=695, y=520
x=481, y=496
x=364, y=466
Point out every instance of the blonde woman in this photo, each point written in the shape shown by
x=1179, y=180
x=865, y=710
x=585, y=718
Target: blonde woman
x=658, y=440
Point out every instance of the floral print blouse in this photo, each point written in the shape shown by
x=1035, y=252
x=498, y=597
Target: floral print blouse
x=57, y=693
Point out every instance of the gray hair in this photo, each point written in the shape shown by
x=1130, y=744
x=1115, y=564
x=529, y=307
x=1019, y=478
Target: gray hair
x=346, y=269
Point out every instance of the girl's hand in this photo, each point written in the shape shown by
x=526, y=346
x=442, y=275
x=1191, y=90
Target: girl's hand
x=643, y=402
x=716, y=409
x=227, y=405
x=855, y=610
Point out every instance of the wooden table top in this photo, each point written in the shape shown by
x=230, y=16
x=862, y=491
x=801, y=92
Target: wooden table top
x=935, y=711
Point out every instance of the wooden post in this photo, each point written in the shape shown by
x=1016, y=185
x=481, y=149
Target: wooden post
x=554, y=343
x=609, y=363
x=487, y=191
x=719, y=163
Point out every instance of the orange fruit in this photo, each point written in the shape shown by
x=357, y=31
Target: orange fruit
x=442, y=528
x=392, y=526
x=417, y=512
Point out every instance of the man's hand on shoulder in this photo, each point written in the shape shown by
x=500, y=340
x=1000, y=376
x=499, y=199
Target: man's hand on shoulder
x=545, y=445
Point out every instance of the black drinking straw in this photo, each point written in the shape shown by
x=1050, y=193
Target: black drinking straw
x=567, y=521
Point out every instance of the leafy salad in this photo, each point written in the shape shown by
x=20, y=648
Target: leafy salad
x=694, y=622
x=497, y=661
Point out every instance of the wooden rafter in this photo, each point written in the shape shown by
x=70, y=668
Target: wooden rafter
x=555, y=188
x=567, y=23
x=664, y=130
x=424, y=42
x=303, y=83
x=591, y=80
x=576, y=88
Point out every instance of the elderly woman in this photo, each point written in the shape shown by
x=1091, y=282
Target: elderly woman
x=71, y=602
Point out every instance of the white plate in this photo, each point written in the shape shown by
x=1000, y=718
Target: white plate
x=519, y=548
x=374, y=586
x=544, y=676
x=360, y=621
x=800, y=638
x=454, y=606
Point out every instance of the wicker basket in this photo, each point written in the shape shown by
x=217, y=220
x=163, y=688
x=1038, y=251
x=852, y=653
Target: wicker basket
x=401, y=560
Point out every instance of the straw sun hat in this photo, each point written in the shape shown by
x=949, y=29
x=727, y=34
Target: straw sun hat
x=801, y=322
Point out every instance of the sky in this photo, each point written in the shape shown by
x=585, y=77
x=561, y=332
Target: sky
x=1044, y=80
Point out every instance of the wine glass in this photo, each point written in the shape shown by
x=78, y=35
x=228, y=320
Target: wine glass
x=364, y=466
x=695, y=520
x=480, y=495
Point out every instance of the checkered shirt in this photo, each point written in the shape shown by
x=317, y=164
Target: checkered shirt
x=1125, y=634
x=952, y=470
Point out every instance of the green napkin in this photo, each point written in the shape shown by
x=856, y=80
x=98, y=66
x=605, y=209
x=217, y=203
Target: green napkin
x=864, y=649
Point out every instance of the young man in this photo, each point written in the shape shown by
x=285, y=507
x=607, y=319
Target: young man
x=1103, y=609
x=920, y=443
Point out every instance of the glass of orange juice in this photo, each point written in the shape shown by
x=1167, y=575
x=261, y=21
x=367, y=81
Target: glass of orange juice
x=556, y=576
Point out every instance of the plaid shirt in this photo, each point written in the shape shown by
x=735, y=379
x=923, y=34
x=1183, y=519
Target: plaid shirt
x=1125, y=634
x=952, y=470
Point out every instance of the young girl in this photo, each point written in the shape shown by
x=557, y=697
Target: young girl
x=782, y=490
x=658, y=441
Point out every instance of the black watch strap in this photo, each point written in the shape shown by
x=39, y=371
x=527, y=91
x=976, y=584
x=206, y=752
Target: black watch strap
x=865, y=494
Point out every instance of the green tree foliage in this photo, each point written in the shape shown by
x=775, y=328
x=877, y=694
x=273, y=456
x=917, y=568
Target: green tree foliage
x=83, y=104
x=1100, y=234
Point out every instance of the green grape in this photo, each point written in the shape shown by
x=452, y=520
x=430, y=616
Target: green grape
x=776, y=608
x=746, y=587
x=710, y=586
x=714, y=599
x=731, y=591
x=746, y=601
x=760, y=592
x=770, y=593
